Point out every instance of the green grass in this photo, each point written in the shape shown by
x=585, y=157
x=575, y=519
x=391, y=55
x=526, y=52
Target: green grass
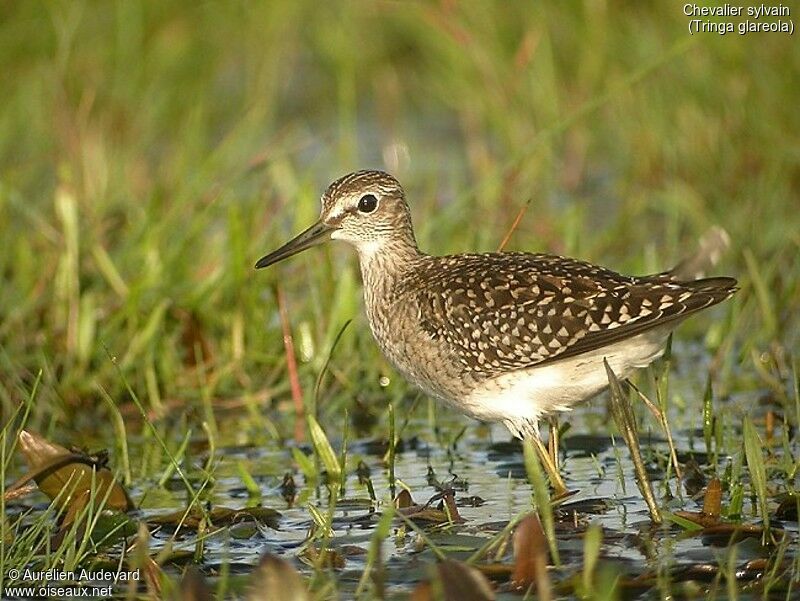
x=151, y=152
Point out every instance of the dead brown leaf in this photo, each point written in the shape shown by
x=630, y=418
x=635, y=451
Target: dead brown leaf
x=531, y=557
x=194, y=586
x=327, y=558
x=275, y=578
x=403, y=500
x=196, y=348
x=454, y=581
x=71, y=479
x=712, y=502
x=712, y=505
x=219, y=516
x=427, y=514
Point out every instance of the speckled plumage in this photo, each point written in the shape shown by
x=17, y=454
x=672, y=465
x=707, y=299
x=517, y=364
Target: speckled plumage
x=501, y=336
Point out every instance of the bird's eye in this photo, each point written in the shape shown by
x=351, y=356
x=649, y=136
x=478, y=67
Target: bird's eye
x=367, y=203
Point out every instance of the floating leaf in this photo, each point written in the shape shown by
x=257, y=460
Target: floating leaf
x=691, y=520
x=244, y=530
x=327, y=558
x=590, y=505
x=471, y=501
x=219, y=516
x=726, y=534
x=275, y=578
x=70, y=479
x=425, y=513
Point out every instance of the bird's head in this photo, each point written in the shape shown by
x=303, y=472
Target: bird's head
x=365, y=208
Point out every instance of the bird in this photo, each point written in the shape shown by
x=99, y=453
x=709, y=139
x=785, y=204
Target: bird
x=507, y=337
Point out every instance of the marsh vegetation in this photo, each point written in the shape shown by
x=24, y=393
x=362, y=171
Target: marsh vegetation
x=151, y=152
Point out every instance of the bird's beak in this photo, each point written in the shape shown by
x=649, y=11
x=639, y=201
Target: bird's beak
x=316, y=234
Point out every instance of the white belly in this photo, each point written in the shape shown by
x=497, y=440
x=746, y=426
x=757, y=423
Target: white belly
x=526, y=395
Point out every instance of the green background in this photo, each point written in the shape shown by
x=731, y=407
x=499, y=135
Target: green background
x=150, y=152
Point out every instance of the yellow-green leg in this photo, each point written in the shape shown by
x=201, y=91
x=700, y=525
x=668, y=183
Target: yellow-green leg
x=550, y=467
x=552, y=442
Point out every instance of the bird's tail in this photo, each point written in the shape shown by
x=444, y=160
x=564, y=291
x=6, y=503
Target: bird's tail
x=710, y=291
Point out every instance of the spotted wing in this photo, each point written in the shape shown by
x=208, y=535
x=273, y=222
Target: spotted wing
x=508, y=311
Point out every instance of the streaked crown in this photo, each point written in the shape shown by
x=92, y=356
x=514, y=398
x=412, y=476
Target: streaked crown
x=367, y=209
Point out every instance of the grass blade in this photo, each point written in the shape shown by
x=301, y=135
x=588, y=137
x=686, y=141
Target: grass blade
x=623, y=416
x=708, y=417
x=758, y=472
x=324, y=450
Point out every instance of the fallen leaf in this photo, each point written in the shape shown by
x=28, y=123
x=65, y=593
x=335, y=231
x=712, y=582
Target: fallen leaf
x=275, y=578
x=139, y=557
x=403, y=500
x=193, y=586
x=531, y=557
x=724, y=534
x=219, y=516
x=712, y=502
x=67, y=477
x=328, y=558
x=196, y=349
x=496, y=571
x=787, y=507
x=422, y=592
x=427, y=514
x=449, y=502
x=455, y=581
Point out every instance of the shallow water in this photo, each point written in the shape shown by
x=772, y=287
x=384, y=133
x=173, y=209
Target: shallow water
x=484, y=464
x=485, y=470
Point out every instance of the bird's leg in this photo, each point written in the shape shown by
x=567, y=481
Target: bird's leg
x=552, y=441
x=556, y=481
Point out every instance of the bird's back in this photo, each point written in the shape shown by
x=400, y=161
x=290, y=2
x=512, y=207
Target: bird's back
x=505, y=311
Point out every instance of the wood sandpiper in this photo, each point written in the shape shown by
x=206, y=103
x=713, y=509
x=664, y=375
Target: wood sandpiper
x=509, y=337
